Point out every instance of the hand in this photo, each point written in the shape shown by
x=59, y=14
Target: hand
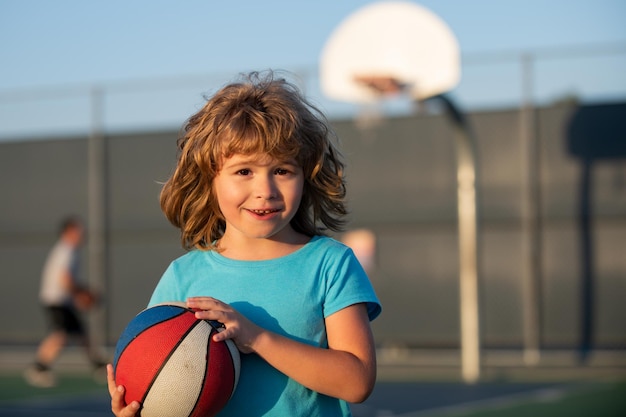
x=85, y=299
x=237, y=327
x=118, y=404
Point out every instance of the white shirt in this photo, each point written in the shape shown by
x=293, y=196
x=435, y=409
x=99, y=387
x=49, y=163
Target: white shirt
x=60, y=261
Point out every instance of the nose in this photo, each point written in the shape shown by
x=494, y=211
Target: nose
x=266, y=188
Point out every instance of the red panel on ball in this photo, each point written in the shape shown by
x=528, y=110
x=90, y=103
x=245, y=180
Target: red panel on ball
x=140, y=362
x=220, y=362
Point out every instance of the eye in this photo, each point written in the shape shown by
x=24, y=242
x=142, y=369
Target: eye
x=244, y=171
x=281, y=171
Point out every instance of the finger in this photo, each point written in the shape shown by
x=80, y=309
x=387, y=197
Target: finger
x=117, y=398
x=131, y=410
x=224, y=334
x=110, y=380
x=119, y=407
x=202, y=303
x=201, y=298
x=212, y=315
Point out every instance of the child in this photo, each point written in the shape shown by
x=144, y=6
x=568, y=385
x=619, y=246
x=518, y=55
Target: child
x=257, y=182
x=61, y=294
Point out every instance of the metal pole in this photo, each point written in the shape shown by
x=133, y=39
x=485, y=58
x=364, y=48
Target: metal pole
x=468, y=243
x=587, y=287
x=97, y=216
x=531, y=238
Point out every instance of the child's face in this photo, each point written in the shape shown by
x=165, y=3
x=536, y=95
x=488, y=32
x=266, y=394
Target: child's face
x=258, y=196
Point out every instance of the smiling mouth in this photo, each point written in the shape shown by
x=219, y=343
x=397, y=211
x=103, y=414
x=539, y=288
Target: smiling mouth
x=264, y=212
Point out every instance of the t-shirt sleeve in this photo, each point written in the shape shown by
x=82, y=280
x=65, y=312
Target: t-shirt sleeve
x=348, y=284
x=167, y=289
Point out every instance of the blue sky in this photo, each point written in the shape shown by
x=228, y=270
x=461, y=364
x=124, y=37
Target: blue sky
x=75, y=42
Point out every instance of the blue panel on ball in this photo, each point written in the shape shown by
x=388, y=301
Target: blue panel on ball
x=142, y=321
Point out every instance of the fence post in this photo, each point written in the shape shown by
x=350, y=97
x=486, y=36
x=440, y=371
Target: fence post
x=97, y=217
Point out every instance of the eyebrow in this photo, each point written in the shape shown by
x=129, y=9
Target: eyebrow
x=255, y=161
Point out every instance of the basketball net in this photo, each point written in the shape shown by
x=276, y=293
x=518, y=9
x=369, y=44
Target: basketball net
x=383, y=86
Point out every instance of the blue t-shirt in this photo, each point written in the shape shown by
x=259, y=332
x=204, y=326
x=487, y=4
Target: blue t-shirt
x=291, y=296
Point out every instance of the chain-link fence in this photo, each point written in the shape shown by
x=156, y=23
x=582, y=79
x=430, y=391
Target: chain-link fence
x=491, y=80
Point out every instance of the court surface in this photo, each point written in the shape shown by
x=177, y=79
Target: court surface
x=80, y=395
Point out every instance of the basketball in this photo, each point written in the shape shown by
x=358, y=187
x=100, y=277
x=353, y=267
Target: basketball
x=85, y=299
x=167, y=360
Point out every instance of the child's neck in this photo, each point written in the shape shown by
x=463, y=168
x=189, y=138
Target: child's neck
x=260, y=249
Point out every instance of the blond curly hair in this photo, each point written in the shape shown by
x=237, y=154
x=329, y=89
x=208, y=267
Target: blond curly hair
x=258, y=115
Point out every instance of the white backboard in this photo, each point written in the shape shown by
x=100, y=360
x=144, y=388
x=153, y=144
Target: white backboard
x=392, y=39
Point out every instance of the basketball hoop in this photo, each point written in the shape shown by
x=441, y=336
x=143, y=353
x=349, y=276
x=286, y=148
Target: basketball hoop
x=397, y=47
x=388, y=48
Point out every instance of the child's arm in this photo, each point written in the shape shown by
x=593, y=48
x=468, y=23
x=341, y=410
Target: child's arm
x=346, y=370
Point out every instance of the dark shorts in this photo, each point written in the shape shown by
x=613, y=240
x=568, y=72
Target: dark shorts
x=65, y=318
